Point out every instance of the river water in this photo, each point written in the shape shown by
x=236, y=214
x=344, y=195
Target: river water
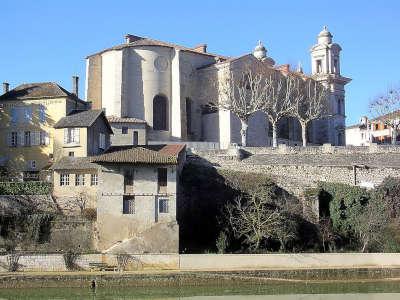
x=268, y=291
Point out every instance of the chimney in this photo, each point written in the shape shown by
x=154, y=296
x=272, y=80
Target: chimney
x=6, y=87
x=201, y=48
x=284, y=68
x=75, y=85
x=130, y=38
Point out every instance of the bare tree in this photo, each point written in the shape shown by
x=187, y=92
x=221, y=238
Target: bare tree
x=369, y=224
x=280, y=93
x=386, y=109
x=311, y=103
x=251, y=218
x=80, y=201
x=243, y=95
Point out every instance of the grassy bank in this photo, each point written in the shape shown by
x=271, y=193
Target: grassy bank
x=200, y=278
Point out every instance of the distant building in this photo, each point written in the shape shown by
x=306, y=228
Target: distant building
x=27, y=117
x=169, y=86
x=369, y=131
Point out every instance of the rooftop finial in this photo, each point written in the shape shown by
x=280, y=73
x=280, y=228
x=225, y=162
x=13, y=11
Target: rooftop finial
x=259, y=51
x=325, y=28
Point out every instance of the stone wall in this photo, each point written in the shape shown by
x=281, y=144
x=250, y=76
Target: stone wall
x=218, y=262
x=298, y=168
x=55, y=262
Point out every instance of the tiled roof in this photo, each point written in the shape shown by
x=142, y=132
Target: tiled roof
x=73, y=163
x=150, y=154
x=114, y=119
x=38, y=91
x=83, y=118
x=143, y=41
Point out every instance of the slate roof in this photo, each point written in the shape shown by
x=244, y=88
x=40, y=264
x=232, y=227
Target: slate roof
x=38, y=90
x=149, y=154
x=143, y=41
x=82, y=118
x=115, y=119
x=73, y=163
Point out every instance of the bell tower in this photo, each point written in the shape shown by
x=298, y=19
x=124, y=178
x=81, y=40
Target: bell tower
x=325, y=68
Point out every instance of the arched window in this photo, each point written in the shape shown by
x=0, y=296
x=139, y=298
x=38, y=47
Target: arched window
x=160, y=113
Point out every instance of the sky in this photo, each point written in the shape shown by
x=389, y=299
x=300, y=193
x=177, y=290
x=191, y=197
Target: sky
x=49, y=40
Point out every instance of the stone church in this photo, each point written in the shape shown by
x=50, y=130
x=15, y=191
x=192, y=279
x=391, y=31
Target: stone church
x=167, y=87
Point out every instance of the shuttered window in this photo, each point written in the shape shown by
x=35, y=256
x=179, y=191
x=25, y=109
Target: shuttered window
x=71, y=135
x=128, y=205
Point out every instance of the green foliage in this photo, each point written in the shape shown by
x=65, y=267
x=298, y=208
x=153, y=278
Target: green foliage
x=25, y=188
x=345, y=204
x=222, y=242
x=389, y=192
x=38, y=226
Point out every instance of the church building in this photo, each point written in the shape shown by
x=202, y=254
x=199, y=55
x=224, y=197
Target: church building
x=167, y=87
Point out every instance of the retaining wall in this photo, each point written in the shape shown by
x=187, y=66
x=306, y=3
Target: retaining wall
x=205, y=262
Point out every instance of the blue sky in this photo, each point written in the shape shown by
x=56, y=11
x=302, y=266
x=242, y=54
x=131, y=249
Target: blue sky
x=48, y=40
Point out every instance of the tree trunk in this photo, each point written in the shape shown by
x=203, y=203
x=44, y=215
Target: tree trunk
x=274, y=138
x=394, y=135
x=304, y=133
x=243, y=132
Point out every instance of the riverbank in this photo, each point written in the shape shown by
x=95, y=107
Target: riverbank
x=152, y=278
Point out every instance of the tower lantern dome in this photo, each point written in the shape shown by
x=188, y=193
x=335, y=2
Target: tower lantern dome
x=325, y=37
x=259, y=51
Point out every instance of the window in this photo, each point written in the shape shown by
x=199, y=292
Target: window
x=124, y=130
x=163, y=205
x=129, y=182
x=128, y=205
x=102, y=141
x=14, y=139
x=32, y=164
x=160, y=113
x=71, y=154
x=335, y=66
x=27, y=138
x=27, y=114
x=42, y=113
x=188, y=116
x=135, y=138
x=14, y=116
x=162, y=180
x=319, y=66
x=79, y=179
x=71, y=135
x=43, y=138
x=339, y=106
x=64, y=179
x=93, y=179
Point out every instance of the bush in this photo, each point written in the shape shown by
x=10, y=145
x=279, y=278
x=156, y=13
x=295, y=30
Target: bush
x=25, y=188
x=89, y=214
x=13, y=262
x=222, y=242
x=70, y=258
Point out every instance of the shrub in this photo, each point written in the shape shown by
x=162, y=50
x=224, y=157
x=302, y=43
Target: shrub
x=89, y=214
x=25, y=188
x=13, y=262
x=70, y=258
x=123, y=260
x=222, y=242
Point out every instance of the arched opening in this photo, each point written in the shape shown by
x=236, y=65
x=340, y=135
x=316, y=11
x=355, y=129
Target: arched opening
x=160, y=113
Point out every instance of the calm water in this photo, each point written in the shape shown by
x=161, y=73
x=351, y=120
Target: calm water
x=279, y=291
